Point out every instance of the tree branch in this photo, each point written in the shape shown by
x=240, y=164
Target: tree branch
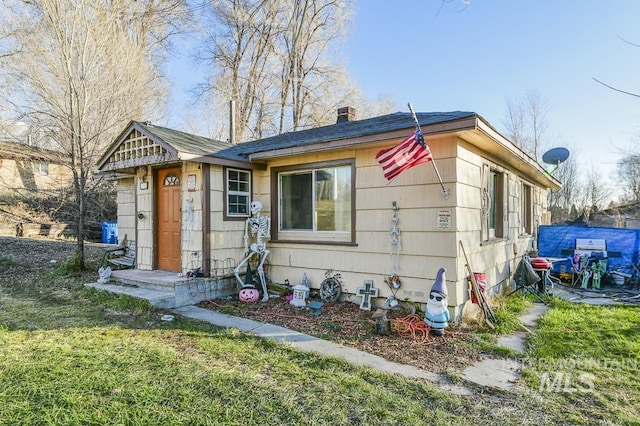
x=617, y=90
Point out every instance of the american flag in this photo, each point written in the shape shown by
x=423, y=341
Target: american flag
x=413, y=150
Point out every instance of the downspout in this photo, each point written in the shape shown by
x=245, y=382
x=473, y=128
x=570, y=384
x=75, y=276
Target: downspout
x=206, y=220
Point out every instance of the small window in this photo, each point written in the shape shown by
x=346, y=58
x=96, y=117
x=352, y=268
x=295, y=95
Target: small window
x=526, y=209
x=238, y=198
x=493, y=208
x=171, y=180
x=41, y=168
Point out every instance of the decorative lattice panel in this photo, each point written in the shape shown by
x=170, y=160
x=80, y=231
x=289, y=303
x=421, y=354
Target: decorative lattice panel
x=137, y=146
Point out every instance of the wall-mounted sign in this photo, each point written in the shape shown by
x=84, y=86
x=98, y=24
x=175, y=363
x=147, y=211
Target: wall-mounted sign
x=191, y=183
x=444, y=219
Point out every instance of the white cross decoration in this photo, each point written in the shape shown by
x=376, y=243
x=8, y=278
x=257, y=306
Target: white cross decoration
x=366, y=292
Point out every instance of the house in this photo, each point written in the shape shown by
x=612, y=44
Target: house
x=28, y=168
x=185, y=200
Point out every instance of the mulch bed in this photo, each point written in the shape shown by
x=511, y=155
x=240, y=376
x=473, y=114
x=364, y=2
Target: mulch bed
x=344, y=322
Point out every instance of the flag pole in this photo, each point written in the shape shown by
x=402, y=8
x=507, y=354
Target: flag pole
x=433, y=161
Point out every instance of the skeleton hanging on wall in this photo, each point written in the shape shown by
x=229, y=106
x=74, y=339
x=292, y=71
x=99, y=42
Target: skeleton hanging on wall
x=260, y=228
x=395, y=244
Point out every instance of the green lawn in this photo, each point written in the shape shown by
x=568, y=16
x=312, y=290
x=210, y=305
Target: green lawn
x=70, y=356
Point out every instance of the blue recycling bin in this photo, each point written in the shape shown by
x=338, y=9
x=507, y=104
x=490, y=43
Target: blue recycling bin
x=109, y=232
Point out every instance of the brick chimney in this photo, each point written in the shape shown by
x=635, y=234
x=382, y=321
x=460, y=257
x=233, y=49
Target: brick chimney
x=346, y=114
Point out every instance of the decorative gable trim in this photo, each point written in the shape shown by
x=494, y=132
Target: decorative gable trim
x=135, y=148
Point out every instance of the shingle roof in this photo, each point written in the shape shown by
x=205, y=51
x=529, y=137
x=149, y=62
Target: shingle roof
x=21, y=151
x=206, y=147
x=185, y=142
x=338, y=131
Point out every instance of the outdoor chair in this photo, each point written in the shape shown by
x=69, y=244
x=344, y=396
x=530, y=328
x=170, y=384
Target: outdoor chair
x=121, y=257
x=580, y=269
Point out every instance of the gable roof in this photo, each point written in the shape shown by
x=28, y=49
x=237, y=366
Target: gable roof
x=181, y=141
x=179, y=145
x=254, y=154
x=21, y=151
x=186, y=146
x=338, y=131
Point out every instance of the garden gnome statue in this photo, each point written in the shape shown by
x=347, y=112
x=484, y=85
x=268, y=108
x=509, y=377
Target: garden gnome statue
x=437, y=314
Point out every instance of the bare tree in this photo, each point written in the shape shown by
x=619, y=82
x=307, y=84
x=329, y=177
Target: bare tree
x=79, y=70
x=526, y=124
x=239, y=45
x=595, y=192
x=561, y=201
x=312, y=26
x=273, y=59
x=629, y=176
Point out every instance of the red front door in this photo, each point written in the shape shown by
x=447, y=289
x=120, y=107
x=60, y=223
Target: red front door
x=168, y=214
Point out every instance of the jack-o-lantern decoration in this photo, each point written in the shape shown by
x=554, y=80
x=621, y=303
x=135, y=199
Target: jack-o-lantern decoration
x=249, y=293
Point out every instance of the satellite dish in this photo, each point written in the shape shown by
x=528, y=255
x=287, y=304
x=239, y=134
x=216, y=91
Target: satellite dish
x=555, y=156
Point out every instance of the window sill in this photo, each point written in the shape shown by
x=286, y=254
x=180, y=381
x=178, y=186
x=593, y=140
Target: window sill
x=493, y=241
x=323, y=243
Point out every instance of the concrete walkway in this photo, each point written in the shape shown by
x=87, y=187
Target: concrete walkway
x=504, y=373
x=306, y=343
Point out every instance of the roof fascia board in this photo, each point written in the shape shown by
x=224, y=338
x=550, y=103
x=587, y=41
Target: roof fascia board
x=114, y=145
x=222, y=162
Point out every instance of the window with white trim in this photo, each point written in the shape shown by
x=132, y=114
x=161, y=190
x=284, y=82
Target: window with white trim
x=41, y=167
x=315, y=202
x=238, y=196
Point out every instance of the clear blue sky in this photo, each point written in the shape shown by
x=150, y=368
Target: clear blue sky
x=444, y=57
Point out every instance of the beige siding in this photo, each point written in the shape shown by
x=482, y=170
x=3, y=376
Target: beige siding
x=226, y=236
x=191, y=218
x=126, y=209
x=20, y=175
x=146, y=225
x=424, y=246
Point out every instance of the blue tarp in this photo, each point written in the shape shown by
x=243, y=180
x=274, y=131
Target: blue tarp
x=552, y=239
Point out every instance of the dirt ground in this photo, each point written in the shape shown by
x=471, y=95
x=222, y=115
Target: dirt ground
x=406, y=340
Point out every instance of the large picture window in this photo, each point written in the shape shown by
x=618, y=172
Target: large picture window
x=238, y=197
x=315, y=202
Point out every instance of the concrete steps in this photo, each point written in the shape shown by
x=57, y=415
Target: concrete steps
x=167, y=290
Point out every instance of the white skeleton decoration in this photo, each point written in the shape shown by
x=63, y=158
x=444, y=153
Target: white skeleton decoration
x=260, y=228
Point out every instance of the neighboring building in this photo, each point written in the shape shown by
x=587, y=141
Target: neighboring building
x=27, y=171
x=625, y=215
x=27, y=168
x=186, y=200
